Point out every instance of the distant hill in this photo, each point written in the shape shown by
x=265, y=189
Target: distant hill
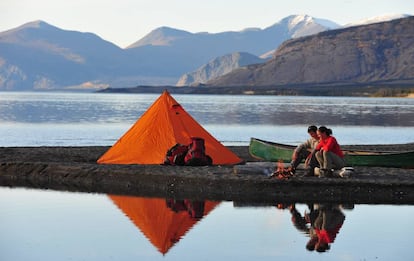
x=38, y=56
x=162, y=36
x=218, y=67
x=380, y=52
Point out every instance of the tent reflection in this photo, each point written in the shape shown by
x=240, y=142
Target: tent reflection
x=163, y=221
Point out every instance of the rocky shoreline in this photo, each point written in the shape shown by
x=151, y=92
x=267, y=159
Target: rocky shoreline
x=75, y=169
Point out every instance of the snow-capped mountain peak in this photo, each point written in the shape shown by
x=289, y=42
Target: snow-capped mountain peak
x=377, y=19
x=303, y=25
x=299, y=19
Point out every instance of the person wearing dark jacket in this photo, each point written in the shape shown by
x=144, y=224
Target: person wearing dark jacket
x=303, y=151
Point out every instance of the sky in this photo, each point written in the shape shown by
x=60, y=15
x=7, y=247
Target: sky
x=124, y=22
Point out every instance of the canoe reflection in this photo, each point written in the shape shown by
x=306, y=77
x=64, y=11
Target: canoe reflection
x=163, y=221
x=322, y=224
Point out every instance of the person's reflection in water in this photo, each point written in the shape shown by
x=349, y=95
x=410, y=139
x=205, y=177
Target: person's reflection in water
x=322, y=224
x=327, y=225
x=301, y=223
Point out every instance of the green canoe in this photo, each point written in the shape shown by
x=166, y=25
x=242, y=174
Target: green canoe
x=271, y=151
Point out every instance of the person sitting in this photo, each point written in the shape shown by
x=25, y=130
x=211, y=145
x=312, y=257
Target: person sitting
x=328, y=152
x=303, y=151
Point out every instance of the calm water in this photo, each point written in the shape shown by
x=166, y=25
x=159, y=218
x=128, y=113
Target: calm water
x=53, y=225
x=49, y=225
x=78, y=119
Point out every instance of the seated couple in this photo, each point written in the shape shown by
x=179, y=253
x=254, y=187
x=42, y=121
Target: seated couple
x=320, y=150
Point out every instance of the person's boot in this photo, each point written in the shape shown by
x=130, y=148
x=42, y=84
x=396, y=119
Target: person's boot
x=309, y=172
x=326, y=173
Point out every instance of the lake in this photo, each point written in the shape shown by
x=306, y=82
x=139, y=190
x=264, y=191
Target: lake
x=82, y=119
x=59, y=225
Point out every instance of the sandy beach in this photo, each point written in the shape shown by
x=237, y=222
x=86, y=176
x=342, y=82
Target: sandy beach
x=75, y=169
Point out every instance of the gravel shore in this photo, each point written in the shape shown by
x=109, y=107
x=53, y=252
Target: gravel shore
x=75, y=169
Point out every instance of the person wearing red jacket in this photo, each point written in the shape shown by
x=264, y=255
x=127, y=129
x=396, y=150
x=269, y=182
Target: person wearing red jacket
x=327, y=225
x=328, y=152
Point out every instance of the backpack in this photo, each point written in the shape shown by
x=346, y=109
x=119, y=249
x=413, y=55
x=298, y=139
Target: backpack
x=195, y=208
x=196, y=155
x=176, y=205
x=176, y=154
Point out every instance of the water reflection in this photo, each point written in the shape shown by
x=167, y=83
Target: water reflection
x=322, y=224
x=163, y=221
x=59, y=225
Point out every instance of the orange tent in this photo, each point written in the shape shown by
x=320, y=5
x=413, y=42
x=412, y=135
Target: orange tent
x=159, y=223
x=162, y=126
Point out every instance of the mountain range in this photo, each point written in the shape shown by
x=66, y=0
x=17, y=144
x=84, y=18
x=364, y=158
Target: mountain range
x=380, y=52
x=40, y=56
